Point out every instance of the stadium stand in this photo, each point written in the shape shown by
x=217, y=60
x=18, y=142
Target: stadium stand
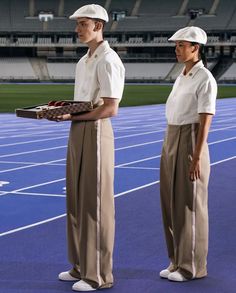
x=230, y=74
x=16, y=69
x=138, y=31
x=222, y=19
x=150, y=71
x=61, y=71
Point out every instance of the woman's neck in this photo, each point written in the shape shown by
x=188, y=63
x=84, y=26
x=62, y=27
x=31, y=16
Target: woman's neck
x=189, y=65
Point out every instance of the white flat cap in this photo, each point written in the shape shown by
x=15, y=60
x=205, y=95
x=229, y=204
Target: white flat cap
x=190, y=34
x=91, y=11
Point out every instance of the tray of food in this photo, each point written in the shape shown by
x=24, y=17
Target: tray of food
x=54, y=109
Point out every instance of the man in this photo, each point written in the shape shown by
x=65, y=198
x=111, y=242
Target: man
x=90, y=156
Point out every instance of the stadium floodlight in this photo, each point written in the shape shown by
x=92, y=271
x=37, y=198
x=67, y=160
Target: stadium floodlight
x=45, y=16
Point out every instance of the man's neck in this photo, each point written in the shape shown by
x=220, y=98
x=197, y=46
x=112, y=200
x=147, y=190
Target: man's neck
x=93, y=46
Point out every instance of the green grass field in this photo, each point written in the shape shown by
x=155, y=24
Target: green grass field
x=14, y=96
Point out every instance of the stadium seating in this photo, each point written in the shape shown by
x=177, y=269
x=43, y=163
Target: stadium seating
x=61, y=71
x=16, y=68
x=145, y=15
x=147, y=71
x=25, y=41
x=230, y=74
x=140, y=35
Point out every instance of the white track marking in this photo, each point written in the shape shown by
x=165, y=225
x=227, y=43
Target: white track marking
x=222, y=161
x=32, y=225
x=222, y=140
x=63, y=215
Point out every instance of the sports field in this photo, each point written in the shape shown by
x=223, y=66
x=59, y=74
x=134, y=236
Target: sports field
x=13, y=96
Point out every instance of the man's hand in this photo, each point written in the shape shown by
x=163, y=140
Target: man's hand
x=65, y=117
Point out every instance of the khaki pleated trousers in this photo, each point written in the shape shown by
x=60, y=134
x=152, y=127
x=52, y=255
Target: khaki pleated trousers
x=184, y=203
x=90, y=201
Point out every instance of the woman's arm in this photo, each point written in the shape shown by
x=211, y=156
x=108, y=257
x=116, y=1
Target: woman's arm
x=205, y=123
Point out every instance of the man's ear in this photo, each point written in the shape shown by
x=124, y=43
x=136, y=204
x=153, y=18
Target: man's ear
x=98, y=26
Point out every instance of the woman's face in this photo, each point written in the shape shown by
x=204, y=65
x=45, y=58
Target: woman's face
x=185, y=51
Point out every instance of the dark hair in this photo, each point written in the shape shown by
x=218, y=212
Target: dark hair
x=202, y=55
x=100, y=20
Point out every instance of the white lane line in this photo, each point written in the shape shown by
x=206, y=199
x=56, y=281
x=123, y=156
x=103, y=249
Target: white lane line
x=117, y=149
x=19, y=162
x=31, y=166
x=137, y=161
x=18, y=191
x=222, y=140
x=26, y=163
x=52, y=163
x=36, y=185
x=138, y=134
x=137, y=188
x=66, y=136
x=222, y=161
x=38, y=194
x=40, y=184
x=32, y=225
x=59, y=147
x=225, y=120
x=138, y=145
x=32, y=141
x=63, y=215
x=222, y=128
x=138, y=168
x=30, y=152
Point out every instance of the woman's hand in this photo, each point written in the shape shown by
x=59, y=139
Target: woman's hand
x=194, y=170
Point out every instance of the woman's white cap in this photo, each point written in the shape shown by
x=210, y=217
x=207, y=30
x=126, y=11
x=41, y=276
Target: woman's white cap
x=190, y=34
x=91, y=11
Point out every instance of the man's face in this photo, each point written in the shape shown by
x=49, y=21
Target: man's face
x=86, y=29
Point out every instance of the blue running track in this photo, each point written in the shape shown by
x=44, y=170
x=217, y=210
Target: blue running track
x=32, y=204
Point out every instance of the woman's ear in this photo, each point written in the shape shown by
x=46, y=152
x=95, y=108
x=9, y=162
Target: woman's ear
x=196, y=48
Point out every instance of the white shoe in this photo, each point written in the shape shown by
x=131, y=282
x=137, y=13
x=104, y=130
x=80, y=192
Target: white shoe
x=176, y=277
x=82, y=286
x=164, y=273
x=66, y=276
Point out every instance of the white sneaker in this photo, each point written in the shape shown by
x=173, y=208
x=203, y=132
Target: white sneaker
x=66, y=276
x=82, y=286
x=164, y=273
x=176, y=277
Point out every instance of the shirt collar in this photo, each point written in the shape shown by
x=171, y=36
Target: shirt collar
x=99, y=50
x=194, y=69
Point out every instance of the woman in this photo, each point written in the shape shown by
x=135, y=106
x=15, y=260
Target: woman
x=185, y=165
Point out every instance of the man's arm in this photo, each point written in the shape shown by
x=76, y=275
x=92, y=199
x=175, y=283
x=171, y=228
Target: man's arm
x=108, y=109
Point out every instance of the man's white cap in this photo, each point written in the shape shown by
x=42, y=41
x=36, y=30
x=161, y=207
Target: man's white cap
x=91, y=11
x=190, y=34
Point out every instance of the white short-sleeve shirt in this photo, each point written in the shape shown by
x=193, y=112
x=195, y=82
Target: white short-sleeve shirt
x=191, y=95
x=99, y=76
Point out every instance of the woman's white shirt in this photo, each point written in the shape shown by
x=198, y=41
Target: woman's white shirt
x=192, y=94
